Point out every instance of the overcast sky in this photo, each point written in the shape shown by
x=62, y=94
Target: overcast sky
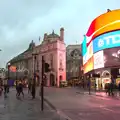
x=24, y=20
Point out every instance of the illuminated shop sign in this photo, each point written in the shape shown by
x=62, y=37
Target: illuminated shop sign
x=108, y=40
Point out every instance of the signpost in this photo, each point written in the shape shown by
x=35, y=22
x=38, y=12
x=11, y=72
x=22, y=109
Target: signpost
x=42, y=86
x=45, y=68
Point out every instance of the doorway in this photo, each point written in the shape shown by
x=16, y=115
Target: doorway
x=60, y=77
x=52, y=80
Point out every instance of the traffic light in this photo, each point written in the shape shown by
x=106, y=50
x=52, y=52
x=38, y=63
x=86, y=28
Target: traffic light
x=47, y=69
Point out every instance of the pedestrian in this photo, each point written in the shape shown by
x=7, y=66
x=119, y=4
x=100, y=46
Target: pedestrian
x=101, y=86
x=5, y=88
x=17, y=88
x=20, y=89
x=33, y=91
x=1, y=89
x=29, y=87
x=111, y=89
x=119, y=88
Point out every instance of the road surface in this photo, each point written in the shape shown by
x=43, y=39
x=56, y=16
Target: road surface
x=75, y=106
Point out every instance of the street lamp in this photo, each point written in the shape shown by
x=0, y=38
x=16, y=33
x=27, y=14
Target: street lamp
x=8, y=70
x=16, y=74
x=34, y=71
x=34, y=77
x=8, y=75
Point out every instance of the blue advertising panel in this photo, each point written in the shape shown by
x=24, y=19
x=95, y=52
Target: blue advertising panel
x=84, y=46
x=107, y=40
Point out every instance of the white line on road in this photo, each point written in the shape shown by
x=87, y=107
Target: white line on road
x=110, y=110
x=63, y=115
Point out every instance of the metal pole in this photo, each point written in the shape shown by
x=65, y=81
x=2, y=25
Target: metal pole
x=8, y=73
x=89, y=86
x=34, y=69
x=34, y=80
x=8, y=78
x=16, y=73
x=42, y=86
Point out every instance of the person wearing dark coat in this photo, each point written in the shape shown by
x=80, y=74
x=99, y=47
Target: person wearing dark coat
x=33, y=91
x=20, y=89
x=17, y=89
x=29, y=87
x=119, y=88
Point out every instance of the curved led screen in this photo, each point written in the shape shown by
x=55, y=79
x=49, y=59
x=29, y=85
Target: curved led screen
x=108, y=40
x=102, y=42
x=104, y=23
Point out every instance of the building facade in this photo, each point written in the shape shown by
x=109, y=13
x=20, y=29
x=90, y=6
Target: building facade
x=53, y=50
x=73, y=61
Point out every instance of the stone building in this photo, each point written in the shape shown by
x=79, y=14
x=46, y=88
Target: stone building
x=53, y=50
x=73, y=61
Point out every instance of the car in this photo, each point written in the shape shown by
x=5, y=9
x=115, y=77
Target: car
x=63, y=84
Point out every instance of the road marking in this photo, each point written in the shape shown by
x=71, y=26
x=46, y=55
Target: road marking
x=107, y=109
x=63, y=115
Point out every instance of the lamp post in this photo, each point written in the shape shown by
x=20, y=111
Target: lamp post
x=16, y=73
x=42, y=85
x=8, y=70
x=34, y=77
x=8, y=75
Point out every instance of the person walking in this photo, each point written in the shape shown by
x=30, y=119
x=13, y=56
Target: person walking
x=119, y=88
x=33, y=91
x=20, y=89
x=17, y=88
x=29, y=87
x=111, y=89
x=5, y=88
x=1, y=89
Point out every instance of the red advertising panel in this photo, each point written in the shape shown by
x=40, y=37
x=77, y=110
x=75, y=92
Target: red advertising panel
x=12, y=68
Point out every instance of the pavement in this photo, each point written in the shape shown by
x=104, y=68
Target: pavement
x=74, y=106
x=97, y=93
x=12, y=108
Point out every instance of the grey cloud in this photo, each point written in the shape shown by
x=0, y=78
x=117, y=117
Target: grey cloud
x=16, y=13
x=15, y=30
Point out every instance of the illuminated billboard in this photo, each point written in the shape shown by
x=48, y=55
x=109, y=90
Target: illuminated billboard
x=88, y=54
x=108, y=40
x=89, y=65
x=12, y=68
x=102, y=37
x=106, y=22
x=99, y=60
x=112, y=57
x=84, y=46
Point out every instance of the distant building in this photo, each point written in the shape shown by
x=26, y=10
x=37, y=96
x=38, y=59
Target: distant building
x=53, y=50
x=2, y=73
x=73, y=61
